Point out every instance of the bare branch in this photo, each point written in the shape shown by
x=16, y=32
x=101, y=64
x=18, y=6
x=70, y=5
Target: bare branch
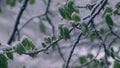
x=59, y=50
x=113, y=32
x=47, y=17
x=26, y=23
x=72, y=50
x=17, y=22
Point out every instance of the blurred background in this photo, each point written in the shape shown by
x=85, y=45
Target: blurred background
x=32, y=31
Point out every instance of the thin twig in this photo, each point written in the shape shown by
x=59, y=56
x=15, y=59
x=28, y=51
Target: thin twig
x=113, y=32
x=60, y=52
x=26, y=23
x=112, y=42
x=47, y=17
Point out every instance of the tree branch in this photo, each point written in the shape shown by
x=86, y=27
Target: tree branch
x=72, y=50
x=47, y=17
x=42, y=50
x=95, y=12
x=26, y=23
x=59, y=50
x=17, y=22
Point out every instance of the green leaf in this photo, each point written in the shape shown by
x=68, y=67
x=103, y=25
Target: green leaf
x=85, y=29
x=70, y=6
x=48, y=40
x=90, y=56
x=61, y=30
x=54, y=47
x=116, y=12
x=28, y=44
x=82, y=59
x=53, y=38
x=67, y=10
x=13, y=4
x=42, y=27
x=117, y=5
x=46, y=52
x=109, y=20
x=10, y=55
x=8, y=2
x=3, y=61
x=20, y=49
x=66, y=34
x=104, y=31
x=93, y=36
x=102, y=63
x=116, y=65
x=32, y=1
x=90, y=6
x=73, y=24
x=0, y=10
x=43, y=45
x=33, y=55
x=108, y=53
x=64, y=13
x=75, y=17
x=7, y=49
x=112, y=53
x=109, y=10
